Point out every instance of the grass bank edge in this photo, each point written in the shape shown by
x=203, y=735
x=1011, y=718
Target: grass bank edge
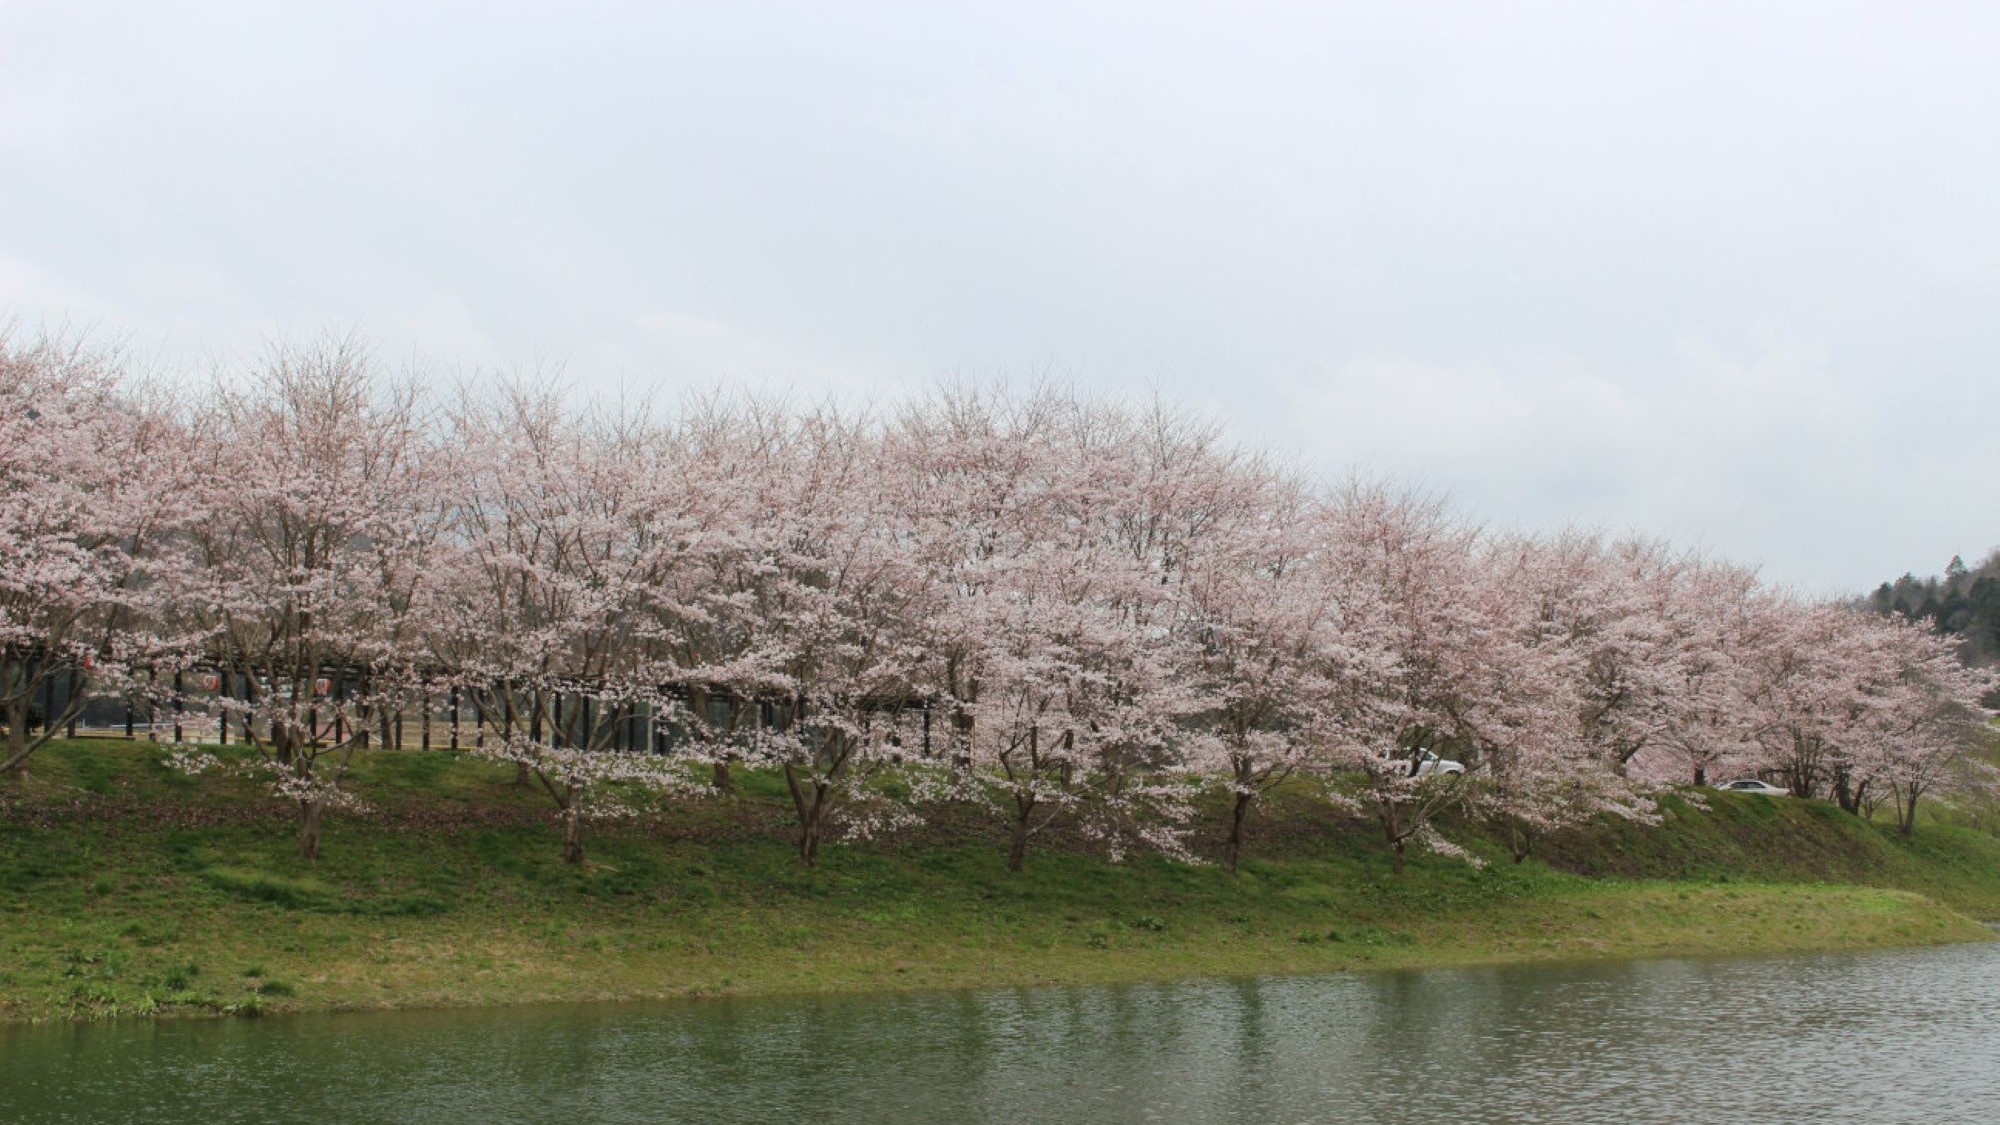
x=198, y=907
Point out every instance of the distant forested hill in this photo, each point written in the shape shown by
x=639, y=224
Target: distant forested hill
x=1965, y=601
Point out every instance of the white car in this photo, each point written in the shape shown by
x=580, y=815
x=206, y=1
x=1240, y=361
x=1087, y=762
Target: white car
x=1428, y=764
x=1752, y=785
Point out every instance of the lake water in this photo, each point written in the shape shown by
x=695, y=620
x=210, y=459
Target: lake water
x=1881, y=1037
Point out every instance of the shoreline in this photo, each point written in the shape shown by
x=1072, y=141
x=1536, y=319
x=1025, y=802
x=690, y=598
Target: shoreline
x=1785, y=919
x=129, y=890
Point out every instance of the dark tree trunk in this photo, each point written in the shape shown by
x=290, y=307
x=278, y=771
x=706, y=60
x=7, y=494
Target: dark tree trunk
x=809, y=838
x=17, y=738
x=1392, y=831
x=1846, y=794
x=312, y=821
x=1520, y=841
x=572, y=835
x=19, y=746
x=1017, y=845
x=961, y=740
x=1239, y=815
x=1906, y=811
x=809, y=800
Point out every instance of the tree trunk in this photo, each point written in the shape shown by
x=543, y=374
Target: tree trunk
x=312, y=820
x=1700, y=776
x=17, y=738
x=723, y=779
x=809, y=836
x=1017, y=845
x=572, y=835
x=1385, y=812
x=1906, y=812
x=811, y=808
x=19, y=746
x=1520, y=841
x=961, y=740
x=1239, y=813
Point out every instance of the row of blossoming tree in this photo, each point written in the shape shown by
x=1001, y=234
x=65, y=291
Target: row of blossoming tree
x=1065, y=612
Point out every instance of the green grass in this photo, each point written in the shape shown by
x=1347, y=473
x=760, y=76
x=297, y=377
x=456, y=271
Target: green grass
x=128, y=889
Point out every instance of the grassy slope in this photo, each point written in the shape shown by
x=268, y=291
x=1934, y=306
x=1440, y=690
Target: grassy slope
x=125, y=888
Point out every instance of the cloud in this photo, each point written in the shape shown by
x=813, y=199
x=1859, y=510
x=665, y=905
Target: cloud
x=1713, y=446
x=1708, y=270
x=25, y=285
x=701, y=350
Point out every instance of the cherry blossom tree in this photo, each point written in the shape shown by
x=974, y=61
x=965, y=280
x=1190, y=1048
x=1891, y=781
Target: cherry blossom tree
x=1617, y=630
x=730, y=679
x=1611, y=606
x=1107, y=605
x=565, y=609
x=88, y=476
x=1265, y=608
x=1804, y=693
x=1079, y=719
x=1911, y=710
x=1712, y=727
x=838, y=601
x=302, y=558
x=1162, y=487
x=979, y=480
x=1451, y=661
x=1057, y=535
x=1929, y=716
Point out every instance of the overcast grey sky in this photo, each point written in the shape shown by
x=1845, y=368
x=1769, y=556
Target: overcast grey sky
x=1729, y=273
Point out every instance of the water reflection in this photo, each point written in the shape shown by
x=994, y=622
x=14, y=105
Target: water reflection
x=1908, y=1036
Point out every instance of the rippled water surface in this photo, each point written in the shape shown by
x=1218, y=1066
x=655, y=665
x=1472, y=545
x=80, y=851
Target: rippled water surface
x=1882, y=1037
